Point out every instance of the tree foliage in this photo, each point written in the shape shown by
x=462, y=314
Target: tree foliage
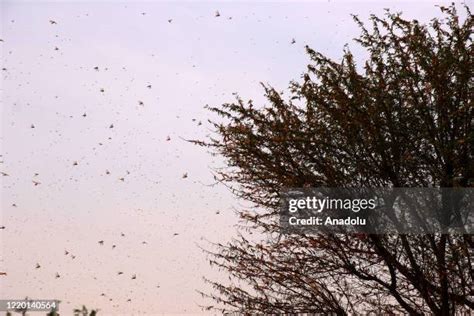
x=402, y=119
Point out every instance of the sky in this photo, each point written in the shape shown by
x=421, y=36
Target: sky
x=100, y=154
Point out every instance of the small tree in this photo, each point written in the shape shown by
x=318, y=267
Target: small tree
x=404, y=119
x=84, y=312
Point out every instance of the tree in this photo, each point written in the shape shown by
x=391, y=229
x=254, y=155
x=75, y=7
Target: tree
x=84, y=312
x=403, y=119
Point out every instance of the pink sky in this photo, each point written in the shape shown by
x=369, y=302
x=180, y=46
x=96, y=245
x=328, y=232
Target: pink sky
x=195, y=60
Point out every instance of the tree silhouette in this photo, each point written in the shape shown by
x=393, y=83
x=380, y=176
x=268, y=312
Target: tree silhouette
x=402, y=119
x=84, y=312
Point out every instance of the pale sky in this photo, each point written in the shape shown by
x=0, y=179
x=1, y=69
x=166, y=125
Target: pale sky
x=129, y=178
